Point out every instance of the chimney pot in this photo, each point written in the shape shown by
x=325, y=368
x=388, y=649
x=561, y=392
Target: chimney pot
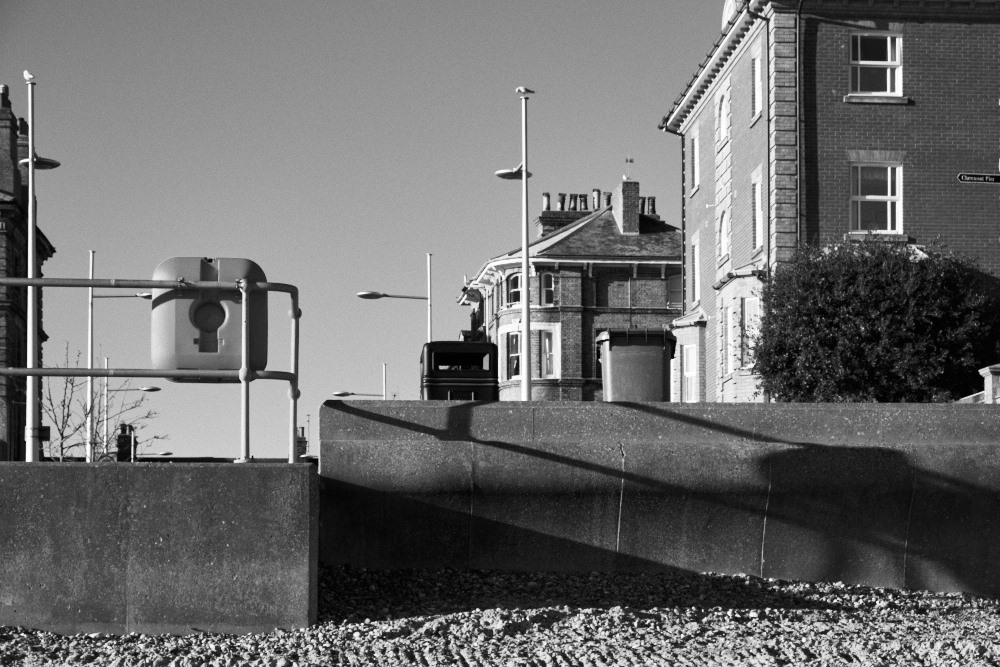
x=561, y=206
x=651, y=206
x=572, y=202
x=607, y=199
x=642, y=205
x=545, y=201
x=583, y=202
x=597, y=199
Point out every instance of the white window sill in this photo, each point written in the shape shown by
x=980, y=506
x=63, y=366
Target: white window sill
x=867, y=98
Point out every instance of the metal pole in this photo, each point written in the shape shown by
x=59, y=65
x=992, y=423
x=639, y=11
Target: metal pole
x=31, y=383
x=293, y=386
x=429, y=327
x=105, y=446
x=131, y=432
x=245, y=377
x=90, y=365
x=383, y=382
x=525, y=341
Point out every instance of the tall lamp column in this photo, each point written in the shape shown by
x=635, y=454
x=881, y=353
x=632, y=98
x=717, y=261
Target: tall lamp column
x=525, y=341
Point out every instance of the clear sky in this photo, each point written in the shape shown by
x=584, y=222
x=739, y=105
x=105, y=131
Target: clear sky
x=334, y=143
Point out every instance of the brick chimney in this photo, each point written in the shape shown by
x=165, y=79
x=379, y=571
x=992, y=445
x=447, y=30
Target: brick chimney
x=625, y=207
x=10, y=176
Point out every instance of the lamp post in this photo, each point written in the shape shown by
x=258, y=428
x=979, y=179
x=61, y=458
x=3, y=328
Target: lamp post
x=345, y=394
x=90, y=354
x=521, y=173
x=31, y=382
x=105, y=409
x=383, y=295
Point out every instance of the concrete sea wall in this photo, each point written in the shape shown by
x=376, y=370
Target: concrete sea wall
x=158, y=548
x=895, y=495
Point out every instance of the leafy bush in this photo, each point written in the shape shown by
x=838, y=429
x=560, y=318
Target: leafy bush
x=876, y=321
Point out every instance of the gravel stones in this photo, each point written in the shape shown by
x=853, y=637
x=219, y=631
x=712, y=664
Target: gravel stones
x=472, y=618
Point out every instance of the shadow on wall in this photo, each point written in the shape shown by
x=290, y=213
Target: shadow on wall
x=643, y=487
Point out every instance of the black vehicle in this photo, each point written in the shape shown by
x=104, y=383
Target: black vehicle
x=459, y=371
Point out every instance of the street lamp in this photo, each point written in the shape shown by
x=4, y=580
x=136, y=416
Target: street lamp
x=90, y=354
x=383, y=295
x=31, y=382
x=344, y=394
x=522, y=174
x=106, y=392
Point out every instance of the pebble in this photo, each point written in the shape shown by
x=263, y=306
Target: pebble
x=449, y=617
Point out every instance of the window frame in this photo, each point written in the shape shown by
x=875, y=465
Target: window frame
x=695, y=161
x=757, y=87
x=547, y=294
x=695, y=270
x=547, y=361
x=723, y=112
x=512, y=339
x=757, y=212
x=894, y=178
x=749, y=327
x=725, y=229
x=893, y=67
x=510, y=289
x=689, y=374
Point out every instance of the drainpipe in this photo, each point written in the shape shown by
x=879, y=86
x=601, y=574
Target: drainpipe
x=798, y=144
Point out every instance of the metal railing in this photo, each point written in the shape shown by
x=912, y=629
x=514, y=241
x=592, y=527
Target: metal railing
x=244, y=375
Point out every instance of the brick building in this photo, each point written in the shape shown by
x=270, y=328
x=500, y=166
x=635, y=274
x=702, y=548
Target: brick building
x=815, y=122
x=606, y=262
x=13, y=262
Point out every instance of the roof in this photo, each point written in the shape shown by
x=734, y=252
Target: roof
x=749, y=11
x=596, y=238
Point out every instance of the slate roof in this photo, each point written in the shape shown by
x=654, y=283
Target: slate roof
x=596, y=237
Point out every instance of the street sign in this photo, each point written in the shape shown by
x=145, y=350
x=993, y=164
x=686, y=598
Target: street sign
x=979, y=178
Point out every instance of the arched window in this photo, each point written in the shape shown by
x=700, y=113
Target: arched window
x=513, y=289
x=722, y=120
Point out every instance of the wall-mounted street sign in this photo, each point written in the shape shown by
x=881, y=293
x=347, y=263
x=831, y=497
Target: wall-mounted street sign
x=979, y=178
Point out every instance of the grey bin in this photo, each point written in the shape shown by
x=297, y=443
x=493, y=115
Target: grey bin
x=635, y=364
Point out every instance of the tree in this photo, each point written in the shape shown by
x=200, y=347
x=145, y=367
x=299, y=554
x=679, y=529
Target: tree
x=64, y=406
x=876, y=321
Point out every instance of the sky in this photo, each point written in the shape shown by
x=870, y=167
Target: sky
x=335, y=144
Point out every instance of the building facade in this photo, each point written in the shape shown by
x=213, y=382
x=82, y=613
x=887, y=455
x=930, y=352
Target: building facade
x=604, y=262
x=818, y=122
x=14, y=263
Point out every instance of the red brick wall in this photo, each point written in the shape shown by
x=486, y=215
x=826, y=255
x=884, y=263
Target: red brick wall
x=950, y=125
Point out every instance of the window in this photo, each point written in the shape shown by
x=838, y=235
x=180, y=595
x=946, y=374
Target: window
x=724, y=235
x=875, y=65
x=757, y=211
x=722, y=120
x=547, y=344
x=695, y=161
x=513, y=355
x=695, y=271
x=689, y=361
x=749, y=328
x=727, y=344
x=757, y=98
x=513, y=289
x=877, y=198
x=674, y=294
x=548, y=287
